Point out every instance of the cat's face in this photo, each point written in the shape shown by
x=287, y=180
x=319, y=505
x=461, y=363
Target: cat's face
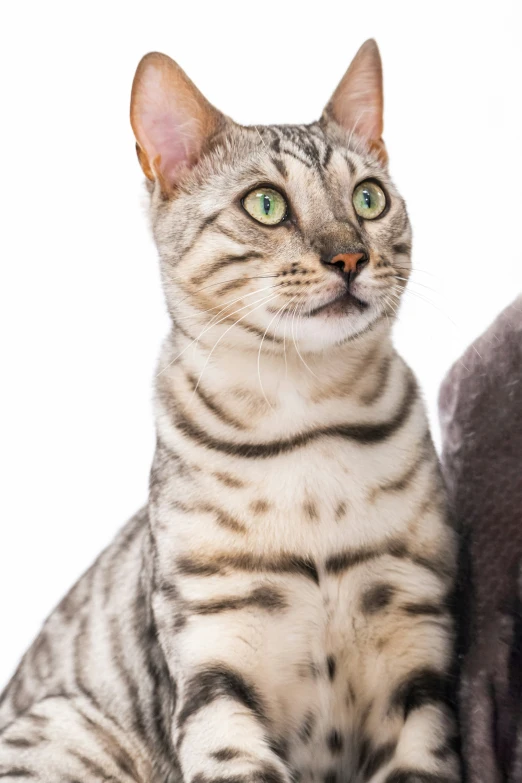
x=291, y=234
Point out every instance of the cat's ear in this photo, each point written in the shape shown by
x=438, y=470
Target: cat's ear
x=171, y=120
x=357, y=103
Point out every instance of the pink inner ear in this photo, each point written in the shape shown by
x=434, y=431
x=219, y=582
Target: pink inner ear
x=170, y=132
x=174, y=138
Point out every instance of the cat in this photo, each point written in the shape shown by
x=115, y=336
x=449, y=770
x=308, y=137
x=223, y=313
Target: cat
x=280, y=611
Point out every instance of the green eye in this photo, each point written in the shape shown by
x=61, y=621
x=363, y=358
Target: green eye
x=369, y=200
x=265, y=205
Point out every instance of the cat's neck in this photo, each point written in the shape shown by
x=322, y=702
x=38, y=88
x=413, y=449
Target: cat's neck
x=276, y=391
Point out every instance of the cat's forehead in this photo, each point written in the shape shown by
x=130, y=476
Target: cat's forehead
x=315, y=147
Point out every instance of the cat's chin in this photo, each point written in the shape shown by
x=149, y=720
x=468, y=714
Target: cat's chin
x=343, y=305
x=337, y=323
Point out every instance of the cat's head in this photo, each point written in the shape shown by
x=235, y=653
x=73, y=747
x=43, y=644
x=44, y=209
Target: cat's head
x=287, y=233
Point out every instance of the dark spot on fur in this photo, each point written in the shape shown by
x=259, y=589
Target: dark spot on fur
x=331, y=665
x=334, y=741
x=350, y=694
x=310, y=510
x=340, y=511
x=260, y=506
x=376, y=598
x=180, y=622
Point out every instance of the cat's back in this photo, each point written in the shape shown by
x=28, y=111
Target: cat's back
x=95, y=642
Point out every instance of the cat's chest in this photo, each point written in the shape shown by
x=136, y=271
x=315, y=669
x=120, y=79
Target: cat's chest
x=325, y=668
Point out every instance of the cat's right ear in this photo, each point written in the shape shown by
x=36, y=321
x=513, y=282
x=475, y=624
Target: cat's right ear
x=171, y=120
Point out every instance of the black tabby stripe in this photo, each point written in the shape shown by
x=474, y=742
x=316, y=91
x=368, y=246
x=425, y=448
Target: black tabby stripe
x=23, y=742
x=266, y=598
x=301, y=157
x=183, y=331
x=401, y=247
x=110, y=745
x=351, y=165
x=231, y=285
x=408, y=477
x=91, y=766
x=343, y=561
x=420, y=687
x=222, y=263
x=280, y=165
x=372, y=758
x=279, y=746
x=307, y=729
x=245, y=561
x=271, y=338
x=413, y=776
x=208, y=221
x=226, y=754
x=266, y=774
x=80, y=675
x=424, y=608
x=17, y=772
x=381, y=384
x=222, y=518
x=327, y=155
x=128, y=679
x=366, y=434
x=217, y=682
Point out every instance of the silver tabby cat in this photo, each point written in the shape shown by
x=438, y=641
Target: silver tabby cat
x=280, y=611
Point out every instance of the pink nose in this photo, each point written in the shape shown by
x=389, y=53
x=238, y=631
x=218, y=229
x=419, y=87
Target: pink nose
x=347, y=262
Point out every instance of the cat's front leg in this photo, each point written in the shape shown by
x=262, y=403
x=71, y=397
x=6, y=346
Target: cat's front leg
x=410, y=726
x=223, y=728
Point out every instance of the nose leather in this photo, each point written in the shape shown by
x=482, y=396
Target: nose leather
x=346, y=262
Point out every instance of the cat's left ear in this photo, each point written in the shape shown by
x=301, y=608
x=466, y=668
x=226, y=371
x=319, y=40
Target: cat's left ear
x=357, y=103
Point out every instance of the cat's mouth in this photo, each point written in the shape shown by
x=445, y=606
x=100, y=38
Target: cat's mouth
x=341, y=305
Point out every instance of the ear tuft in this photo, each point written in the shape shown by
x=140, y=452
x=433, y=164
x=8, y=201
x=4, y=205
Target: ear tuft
x=171, y=120
x=357, y=103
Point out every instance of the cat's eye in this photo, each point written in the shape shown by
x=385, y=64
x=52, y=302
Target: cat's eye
x=369, y=200
x=266, y=205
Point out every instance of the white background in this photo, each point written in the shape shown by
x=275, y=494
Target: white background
x=81, y=309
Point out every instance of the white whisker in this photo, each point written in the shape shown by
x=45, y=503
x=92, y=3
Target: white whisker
x=264, y=301
x=261, y=346
x=197, y=339
x=295, y=343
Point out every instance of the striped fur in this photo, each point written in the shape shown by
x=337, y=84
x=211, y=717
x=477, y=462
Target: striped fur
x=280, y=610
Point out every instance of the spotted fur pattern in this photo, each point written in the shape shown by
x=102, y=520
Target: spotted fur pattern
x=280, y=610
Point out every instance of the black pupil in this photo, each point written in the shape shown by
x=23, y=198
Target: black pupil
x=266, y=204
x=367, y=198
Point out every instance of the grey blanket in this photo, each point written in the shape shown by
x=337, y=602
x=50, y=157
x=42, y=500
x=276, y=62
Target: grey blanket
x=481, y=418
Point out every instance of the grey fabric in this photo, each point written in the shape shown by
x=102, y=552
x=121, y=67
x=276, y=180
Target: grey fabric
x=481, y=417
